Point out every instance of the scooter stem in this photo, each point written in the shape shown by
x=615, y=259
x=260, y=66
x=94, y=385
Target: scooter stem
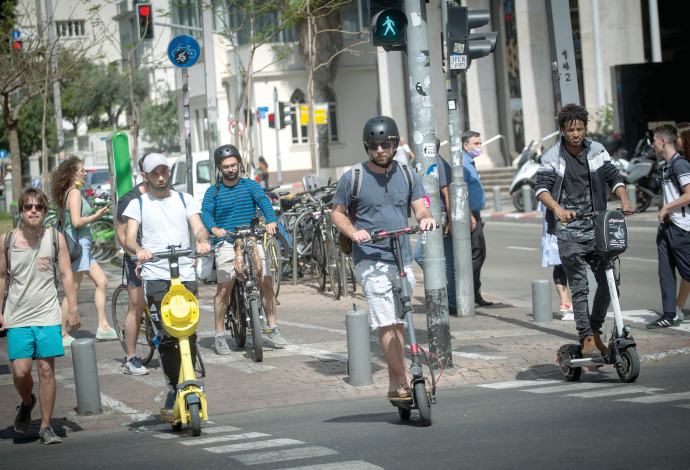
x=186, y=364
x=617, y=316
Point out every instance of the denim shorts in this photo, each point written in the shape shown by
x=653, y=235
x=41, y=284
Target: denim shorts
x=132, y=279
x=35, y=341
x=377, y=279
x=86, y=258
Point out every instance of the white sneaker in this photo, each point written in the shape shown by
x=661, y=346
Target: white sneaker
x=568, y=317
x=134, y=367
x=221, y=346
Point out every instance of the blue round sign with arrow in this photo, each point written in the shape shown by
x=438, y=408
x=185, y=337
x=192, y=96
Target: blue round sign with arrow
x=184, y=51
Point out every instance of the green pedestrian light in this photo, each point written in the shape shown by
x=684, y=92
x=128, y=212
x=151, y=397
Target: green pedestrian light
x=388, y=22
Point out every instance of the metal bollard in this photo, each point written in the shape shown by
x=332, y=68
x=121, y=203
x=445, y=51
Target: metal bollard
x=358, y=350
x=527, y=198
x=497, y=199
x=541, y=301
x=631, y=189
x=86, y=376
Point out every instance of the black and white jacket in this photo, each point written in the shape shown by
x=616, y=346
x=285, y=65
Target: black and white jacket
x=601, y=173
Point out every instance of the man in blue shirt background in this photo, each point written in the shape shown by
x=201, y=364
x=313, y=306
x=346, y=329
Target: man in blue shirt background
x=471, y=149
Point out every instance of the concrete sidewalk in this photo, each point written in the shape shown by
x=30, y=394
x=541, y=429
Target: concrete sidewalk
x=499, y=343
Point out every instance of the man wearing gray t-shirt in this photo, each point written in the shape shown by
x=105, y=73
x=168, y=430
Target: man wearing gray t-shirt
x=381, y=204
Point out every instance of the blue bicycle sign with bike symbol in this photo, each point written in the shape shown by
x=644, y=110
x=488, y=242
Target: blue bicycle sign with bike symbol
x=184, y=51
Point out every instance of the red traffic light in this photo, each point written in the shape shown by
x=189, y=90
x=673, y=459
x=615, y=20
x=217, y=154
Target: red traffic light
x=16, y=45
x=144, y=10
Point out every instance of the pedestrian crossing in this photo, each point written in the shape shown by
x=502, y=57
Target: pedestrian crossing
x=645, y=316
x=257, y=449
x=585, y=390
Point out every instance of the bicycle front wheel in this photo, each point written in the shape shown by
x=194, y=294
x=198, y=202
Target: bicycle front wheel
x=235, y=317
x=120, y=307
x=332, y=260
x=256, y=329
x=273, y=258
x=320, y=260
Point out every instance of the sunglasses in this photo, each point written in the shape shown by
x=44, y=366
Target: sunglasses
x=39, y=207
x=386, y=144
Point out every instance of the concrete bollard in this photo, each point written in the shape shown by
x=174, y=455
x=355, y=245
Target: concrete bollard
x=358, y=350
x=527, y=198
x=86, y=376
x=631, y=189
x=497, y=199
x=541, y=301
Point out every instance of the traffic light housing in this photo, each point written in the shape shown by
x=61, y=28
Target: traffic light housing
x=272, y=120
x=388, y=21
x=145, y=15
x=462, y=45
x=285, y=114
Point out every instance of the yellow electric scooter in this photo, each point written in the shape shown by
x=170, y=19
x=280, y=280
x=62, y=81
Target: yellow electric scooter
x=180, y=317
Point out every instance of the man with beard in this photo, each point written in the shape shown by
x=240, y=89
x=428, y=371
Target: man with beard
x=382, y=204
x=164, y=216
x=230, y=203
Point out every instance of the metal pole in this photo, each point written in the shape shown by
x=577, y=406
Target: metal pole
x=211, y=100
x=596, y=39
x=358, y=347
x=276, y=114
x=424, y=145
x=562, y=52
x=187, y=130
x=541, y=301
x=459, y=201
x=57, y=96
x=86, y=376
x=527, y=205
x=654, y=30
x=497, y=199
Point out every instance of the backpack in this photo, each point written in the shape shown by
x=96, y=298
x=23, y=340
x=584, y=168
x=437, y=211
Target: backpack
x=674, y=179
x=356, y=186
x=9, y=242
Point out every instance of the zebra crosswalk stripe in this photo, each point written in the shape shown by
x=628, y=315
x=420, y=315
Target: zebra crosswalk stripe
x=566, y=388
x=661, y=398
x=350, y=465
x=257, y=458
x=224, y=438
x=518, y=383
x=249, y=446
x=622, y=390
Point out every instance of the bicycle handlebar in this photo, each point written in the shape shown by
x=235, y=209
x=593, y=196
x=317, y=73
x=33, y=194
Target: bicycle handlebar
x=383, y=234
x=242, y=231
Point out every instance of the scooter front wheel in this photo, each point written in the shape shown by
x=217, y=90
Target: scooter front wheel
x=629, y=367
x=421, y=399
x=194, y=419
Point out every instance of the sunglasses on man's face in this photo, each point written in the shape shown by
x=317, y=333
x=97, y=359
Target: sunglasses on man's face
x=373, y=146
x=39, y=207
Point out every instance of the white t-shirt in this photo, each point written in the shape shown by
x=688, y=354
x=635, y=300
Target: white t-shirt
x=402, y=155
x=164, y=223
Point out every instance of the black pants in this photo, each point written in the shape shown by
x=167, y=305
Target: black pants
x=169, y=346
x=673, y=246
x=478, y=253
x=576, y=256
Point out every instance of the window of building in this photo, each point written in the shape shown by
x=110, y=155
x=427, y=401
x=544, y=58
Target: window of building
x=235, y=20
x=72, y=28
x=186, y=18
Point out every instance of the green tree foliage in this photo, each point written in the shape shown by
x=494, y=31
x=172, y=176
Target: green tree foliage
x=113, y=90
x=30, y=129
x=160, y=126
x=80, y=103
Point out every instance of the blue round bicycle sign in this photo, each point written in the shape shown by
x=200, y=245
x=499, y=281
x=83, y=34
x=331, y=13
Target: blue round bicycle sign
x=183, y=51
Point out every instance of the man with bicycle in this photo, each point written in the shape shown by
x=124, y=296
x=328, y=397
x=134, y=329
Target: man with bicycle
x=382, y=204
x=164, y=217
x=230, y=203
x=131, y=365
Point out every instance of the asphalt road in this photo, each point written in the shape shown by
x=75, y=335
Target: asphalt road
x=514, y=260
x=598, y=421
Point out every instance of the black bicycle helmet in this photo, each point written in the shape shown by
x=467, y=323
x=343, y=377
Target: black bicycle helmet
x=225, y=151
x=380, y=128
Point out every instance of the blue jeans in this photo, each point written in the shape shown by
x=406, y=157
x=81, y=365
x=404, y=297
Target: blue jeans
x=450, y=266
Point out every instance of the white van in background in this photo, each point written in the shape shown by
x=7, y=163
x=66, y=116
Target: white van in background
x=201, y=172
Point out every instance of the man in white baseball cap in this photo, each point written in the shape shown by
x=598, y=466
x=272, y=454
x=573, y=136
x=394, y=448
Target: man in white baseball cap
x=153, y=160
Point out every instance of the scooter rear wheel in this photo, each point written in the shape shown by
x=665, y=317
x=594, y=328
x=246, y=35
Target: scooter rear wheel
x=422, y=401
x=404, y=413
x=571, y=374
x=629, y=367
x=194, y=419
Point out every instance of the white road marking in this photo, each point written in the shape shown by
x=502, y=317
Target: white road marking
x=646, y=260
x=227, y=437
x=350, y=465
x=253, y=446
x=567, y=388
x=477, y=356
x=621, y=390
x=519, y=383
x=523, y=248
x=167, y=436
x=660, y=398
x=313, y=327
x=647, y=316
x=284, y=455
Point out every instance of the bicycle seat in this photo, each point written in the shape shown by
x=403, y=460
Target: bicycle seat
x=180, y=311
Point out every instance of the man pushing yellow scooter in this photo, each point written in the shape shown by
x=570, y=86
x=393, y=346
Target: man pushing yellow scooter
x=179, y=315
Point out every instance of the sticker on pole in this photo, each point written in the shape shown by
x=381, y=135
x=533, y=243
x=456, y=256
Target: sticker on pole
x=458, y=61
x=183, y=51
x=236, y=127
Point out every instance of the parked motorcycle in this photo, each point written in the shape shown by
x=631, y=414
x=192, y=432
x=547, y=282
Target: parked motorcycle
x=528, y=165
x=644, y=171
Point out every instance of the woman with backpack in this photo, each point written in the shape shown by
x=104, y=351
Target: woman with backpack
x=76, y=216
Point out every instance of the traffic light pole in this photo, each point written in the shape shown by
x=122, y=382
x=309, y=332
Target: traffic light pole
x=424, y=144
x=459, y=212
x=277, y=126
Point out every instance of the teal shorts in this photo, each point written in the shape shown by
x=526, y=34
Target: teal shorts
x=35, y=341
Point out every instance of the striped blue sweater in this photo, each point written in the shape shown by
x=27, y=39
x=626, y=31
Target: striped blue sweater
x=235, y=205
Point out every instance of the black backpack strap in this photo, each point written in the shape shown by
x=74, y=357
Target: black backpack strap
x=9, y=241
x=56, y=249
x=355, y=186
x=215, y=193
x=408, y=175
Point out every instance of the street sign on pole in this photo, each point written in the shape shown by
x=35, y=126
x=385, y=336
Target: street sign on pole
x=237, y=127
x=184, y=51
x=3, y=153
